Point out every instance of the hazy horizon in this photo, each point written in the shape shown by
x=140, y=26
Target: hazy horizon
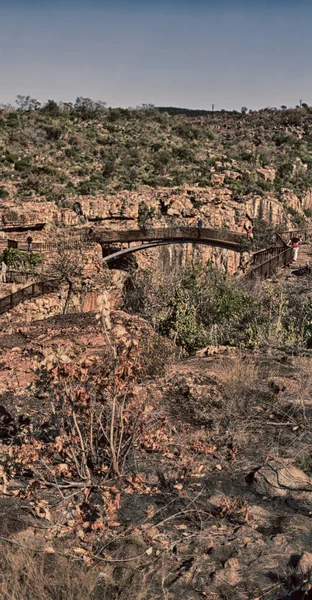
x=173, y=53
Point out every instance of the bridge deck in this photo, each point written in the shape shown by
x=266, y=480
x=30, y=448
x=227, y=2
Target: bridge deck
x=166, y=233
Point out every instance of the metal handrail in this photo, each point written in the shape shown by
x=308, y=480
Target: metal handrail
x=26, y=293
x=267, y=268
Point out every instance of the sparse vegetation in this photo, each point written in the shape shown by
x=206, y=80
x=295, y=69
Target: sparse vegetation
x=86, y=148
x=66, y=268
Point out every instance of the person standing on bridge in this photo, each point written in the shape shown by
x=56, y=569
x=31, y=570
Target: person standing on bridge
x=91, y=234
x=29, y=243
x=249, y=233
x=199, y=223
x=294, y=242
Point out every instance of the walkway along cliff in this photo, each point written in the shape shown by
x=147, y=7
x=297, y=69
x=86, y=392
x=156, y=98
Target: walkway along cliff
x=263, y=263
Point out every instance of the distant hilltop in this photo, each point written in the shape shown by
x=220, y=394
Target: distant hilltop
x=190, y=112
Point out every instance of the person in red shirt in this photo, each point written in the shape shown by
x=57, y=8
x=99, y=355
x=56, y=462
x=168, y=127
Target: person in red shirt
x=294, y=242
x=249, y=233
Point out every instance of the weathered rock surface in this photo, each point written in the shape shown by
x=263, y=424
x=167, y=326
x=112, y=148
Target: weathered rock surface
x=279, y=478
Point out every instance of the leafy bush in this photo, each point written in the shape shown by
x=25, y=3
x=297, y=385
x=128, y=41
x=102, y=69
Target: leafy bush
x=297, y=217
x=53, y=132
x=17, y=259
x=198, y=306
x=23, y=165
x=263, y=234
x=3, y=192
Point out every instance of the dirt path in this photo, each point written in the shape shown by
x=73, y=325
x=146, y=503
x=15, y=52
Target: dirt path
x=304, y=256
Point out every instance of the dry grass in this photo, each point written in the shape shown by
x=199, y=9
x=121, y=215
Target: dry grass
x=239, y=381
x=237, y=376
x=303, y=381
x=27, y=575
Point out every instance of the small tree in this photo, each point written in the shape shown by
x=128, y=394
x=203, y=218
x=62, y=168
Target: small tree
x=86, y=107
x=66, y=268
x=244, y=110
x=51, y=108
x=26, y=103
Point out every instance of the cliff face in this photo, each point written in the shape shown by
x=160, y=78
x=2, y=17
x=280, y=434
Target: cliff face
x=175, y=256
x=165, y=206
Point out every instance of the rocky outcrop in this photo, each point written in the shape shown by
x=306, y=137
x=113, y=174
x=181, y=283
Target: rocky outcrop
x=217, y=179
x=306, y=201
x=291, y=201
x=166, y=207
x=69, y=338
x=34, y=213
x=267, y=174
x=268, y=209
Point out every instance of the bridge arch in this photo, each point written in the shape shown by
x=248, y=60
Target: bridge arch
x=151, y=238
x=132, y=249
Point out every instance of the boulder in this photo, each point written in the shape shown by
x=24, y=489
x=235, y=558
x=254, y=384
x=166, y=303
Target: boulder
x=217, y=179
x=213, y=350
x=304, y=565
x=280, y=479
x=268, y=174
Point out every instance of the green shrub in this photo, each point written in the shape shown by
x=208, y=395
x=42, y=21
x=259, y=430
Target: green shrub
x=198, y=306
x=53, y=132
x=3, y=193
x=297, y=217
x=11, y=158
x=17, y=259
x=23, y=165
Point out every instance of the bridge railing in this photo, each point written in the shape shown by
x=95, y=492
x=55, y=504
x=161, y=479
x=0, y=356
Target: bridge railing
x=305, y=234
x=26, y=293
x=44, y=247
x=14, y=276
x=262, y=256
x=268, y=267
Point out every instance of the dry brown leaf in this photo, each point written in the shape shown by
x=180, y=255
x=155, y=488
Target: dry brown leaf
x=79, y=551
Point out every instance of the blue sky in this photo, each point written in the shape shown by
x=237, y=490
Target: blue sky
x=170, y=53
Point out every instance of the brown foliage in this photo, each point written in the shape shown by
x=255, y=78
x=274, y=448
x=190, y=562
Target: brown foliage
x=95, y=420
